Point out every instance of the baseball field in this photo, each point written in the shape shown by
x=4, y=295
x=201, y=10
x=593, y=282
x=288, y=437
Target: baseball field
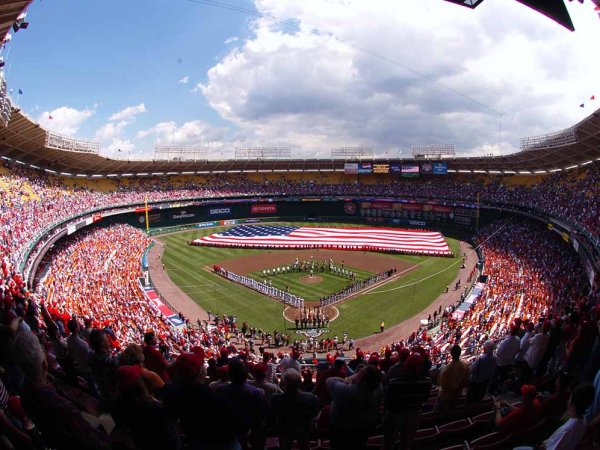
x=417, y=282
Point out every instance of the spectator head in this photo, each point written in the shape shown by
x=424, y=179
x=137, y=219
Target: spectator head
x=238, y=372
x=371, y=377
x=514, y=330
x=30, y=357
x=130, y=382
x=546, y=326
x=72, y=326
x=373, y=359
x=530, y=327
x=488, y=347
x=339, y=364
x=581, y=398
x=414, y=364
x=187, y=369
x=132, y=355
x=149, y=338
x=455, y=351
x=259, y=372
x=291, y=380
x=404, y=354
x=99, y=341
x=528, y=393
x=223, y=373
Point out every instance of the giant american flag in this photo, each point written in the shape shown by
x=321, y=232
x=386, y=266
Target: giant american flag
x=343, y=238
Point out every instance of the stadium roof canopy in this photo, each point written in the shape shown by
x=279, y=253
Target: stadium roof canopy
x=25, y=141
x=554, y=9
x=9, y=11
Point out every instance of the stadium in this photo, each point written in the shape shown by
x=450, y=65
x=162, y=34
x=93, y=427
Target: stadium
x=428, y=300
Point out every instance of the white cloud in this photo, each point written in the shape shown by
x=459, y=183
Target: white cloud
x=128, y=113
x=194, y=132
x=111, y=130
x=413, y=72
x=124, y=145
x=184, y=80
x=65, y=120
x=231, y=40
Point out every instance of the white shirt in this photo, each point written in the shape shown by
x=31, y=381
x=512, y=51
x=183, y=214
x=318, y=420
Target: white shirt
x=568, y=436
x=525, y=341
x=537, y=348
x=507, y=349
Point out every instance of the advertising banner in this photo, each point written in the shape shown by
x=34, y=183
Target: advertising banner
x=381, y=168
x=440, y=168
x=263, y=208
x=426, y=168
x=351, y=168
x=395, y=168
x=410, y=171
x=365, y=168
x=219, y=211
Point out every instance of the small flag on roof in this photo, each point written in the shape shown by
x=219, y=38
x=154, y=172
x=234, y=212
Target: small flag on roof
x=582, y=105
x=20, y=91
x=49, y=117
x=593, y=97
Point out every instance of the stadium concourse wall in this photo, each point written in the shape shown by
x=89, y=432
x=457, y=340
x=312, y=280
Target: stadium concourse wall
x=454, y=217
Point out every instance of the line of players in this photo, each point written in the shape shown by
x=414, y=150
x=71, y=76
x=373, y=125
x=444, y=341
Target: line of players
x=355, y=287
x=312, y=267
x=264, y=287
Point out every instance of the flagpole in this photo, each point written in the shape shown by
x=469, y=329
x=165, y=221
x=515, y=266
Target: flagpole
x=146, y=208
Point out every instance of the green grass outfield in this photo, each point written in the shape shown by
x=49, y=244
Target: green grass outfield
x=312, y=292
x=392, y=302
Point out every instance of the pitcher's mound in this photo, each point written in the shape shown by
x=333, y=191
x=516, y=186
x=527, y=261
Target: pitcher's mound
x=311, y=280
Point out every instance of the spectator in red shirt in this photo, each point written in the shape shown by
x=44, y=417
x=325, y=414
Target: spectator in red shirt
x=511, y=420
x=153, y=358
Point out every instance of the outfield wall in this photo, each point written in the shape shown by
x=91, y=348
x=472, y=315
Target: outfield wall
x=411, y=214
x=454, y=218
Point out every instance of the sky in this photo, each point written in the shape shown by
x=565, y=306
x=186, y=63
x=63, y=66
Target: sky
x=305, y=74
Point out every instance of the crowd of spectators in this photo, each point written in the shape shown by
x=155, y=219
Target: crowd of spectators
x=32, y=200
x=536, y=319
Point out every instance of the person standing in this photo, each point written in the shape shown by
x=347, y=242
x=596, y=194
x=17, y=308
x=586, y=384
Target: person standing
x=453, y=378
x=294, y=412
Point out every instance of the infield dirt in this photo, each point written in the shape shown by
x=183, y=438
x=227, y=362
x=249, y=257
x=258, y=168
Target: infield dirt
x=371, y=262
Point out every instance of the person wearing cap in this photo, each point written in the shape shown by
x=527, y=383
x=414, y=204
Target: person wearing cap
x=223, y=378
x=249, y=399
x=294, y=411
x=133, y=355
x=510, y=420
x=259, y=372
x=209, y=419
x=140, y=414
x=482, y=372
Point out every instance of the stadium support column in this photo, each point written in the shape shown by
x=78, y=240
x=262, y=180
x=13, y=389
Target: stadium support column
x=477, y=217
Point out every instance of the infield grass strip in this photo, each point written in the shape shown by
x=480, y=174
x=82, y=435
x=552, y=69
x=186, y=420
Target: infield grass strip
x=187, y=266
